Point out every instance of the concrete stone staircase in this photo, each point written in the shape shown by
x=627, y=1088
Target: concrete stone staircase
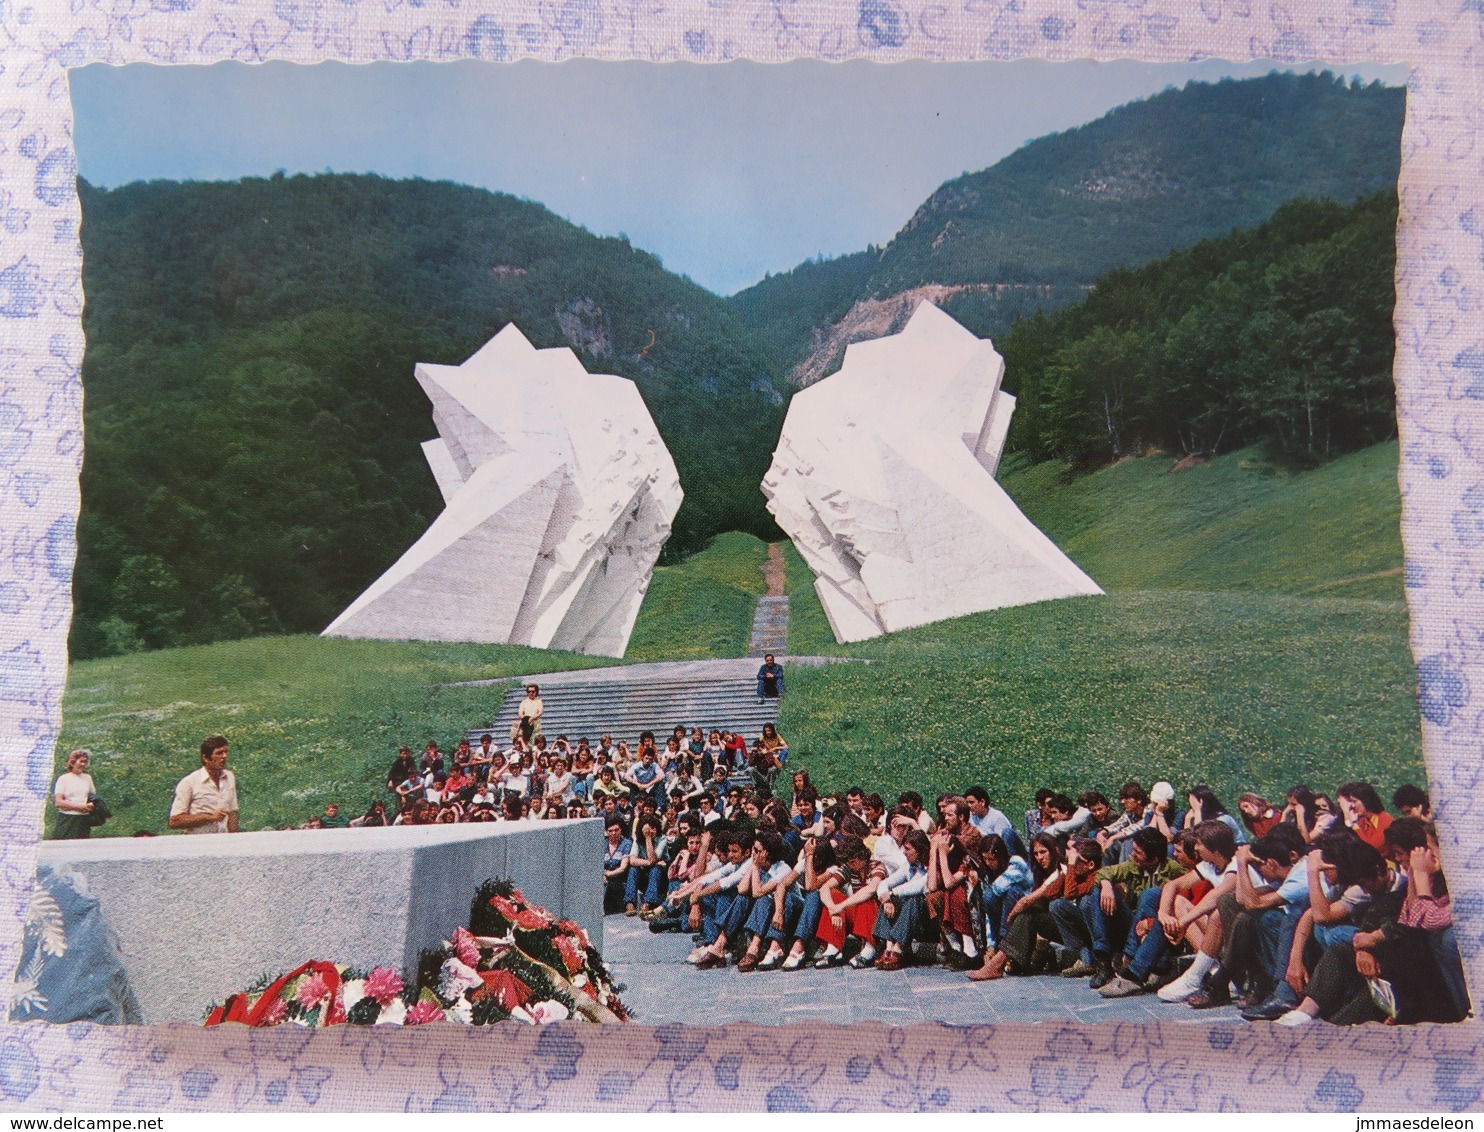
x=626, y=700
x=769, y=627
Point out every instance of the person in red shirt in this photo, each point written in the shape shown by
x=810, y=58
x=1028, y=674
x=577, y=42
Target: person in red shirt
x=1257, y=814
x=1364, y=813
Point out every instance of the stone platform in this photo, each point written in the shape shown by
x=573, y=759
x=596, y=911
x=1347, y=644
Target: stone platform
x=198, y=917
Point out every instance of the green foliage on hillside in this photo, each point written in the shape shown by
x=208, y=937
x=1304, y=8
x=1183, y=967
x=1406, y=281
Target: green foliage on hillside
x=310, y=719
x=1237, y=523
x=1280, y=333
x=252, y=417
x=1279, y=679
x=702, y=607
x=1145, y=179
x=788, y=306
x=1242, y=691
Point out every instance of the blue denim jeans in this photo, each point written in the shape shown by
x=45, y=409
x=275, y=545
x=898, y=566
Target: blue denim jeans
x=1071, y=924
x=1148, y=953
x=1108, y=930
x=645, y=880
x=793, y=907
x=809, y=918
x=997, y=906
x=899, y=930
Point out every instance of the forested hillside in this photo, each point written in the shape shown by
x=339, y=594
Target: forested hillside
x=252, y=419
x=1280, y=334
x=1037, y=229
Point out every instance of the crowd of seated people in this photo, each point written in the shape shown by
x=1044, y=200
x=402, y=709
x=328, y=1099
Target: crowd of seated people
x=482, y=782
x=1312, y=908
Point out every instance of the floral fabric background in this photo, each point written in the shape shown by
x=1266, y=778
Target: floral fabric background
x=1440, y=374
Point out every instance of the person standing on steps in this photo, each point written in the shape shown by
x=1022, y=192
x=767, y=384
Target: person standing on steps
x=769, y=680
x=528, y=716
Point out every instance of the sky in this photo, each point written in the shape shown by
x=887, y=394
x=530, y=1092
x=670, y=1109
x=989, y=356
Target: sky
x=725, y=171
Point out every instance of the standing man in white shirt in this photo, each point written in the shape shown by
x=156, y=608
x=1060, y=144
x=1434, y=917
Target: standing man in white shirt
x=206, y=799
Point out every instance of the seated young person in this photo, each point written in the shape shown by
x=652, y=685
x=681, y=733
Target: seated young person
x=1254, y=922
x=1169, y=914
x=715, y=896
x=951, y=874
x=647, y=867
x=900, y=897
x=1133, y=799
x=758, y=909
x=848, y=896
x=616, y=850
x=1345, y=875
x=1390, y=969
x=1364, y=813
x=1030, y=926
x=1004, y=880
x=1109, y=912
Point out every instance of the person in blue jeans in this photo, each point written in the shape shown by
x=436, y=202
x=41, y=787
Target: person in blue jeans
x=647, y=867
x=1109, y=909
x=1166, y=913
x=616, y=849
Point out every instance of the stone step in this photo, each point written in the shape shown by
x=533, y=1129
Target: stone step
x=624, y=709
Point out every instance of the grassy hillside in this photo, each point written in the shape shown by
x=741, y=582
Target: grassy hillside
x=1237, y=523
x=1253, y=636
x=1244, y=691
x=702, y=607
x=310, y=719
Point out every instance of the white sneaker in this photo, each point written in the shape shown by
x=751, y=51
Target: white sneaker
x=1295, y=1018
x=1181, y=989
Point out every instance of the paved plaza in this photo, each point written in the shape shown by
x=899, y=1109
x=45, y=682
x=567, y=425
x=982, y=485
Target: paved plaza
x=663, y=987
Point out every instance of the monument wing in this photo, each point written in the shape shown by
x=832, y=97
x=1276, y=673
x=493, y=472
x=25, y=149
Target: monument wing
x=558, y=496
x=884, y=480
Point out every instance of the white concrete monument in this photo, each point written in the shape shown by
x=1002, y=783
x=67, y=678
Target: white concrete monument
x=884, y=480
x=558, y=495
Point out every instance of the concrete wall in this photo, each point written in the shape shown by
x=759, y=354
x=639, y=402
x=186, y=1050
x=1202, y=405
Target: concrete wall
x=198, y=917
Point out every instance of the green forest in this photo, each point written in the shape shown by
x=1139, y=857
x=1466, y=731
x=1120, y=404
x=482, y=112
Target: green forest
x=253, y=424
x=252, y=420
x=1146, y=179
x=1280, y=334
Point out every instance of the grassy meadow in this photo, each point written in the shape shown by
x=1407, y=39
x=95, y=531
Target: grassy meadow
x=1253, y=635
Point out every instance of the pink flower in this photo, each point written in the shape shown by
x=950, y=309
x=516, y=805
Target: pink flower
x=383, y=984
x=426, y=1010
x=544, y=1013
x=465, y=947
x=276, y=1012
x=312, y=991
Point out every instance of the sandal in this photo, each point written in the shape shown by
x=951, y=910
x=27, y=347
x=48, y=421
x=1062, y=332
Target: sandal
x=824, y=963
x=889, y=963
x=772, y=963
x=792, y=963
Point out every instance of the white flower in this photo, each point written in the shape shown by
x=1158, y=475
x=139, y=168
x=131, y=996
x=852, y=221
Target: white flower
x=455, y=978
x=579, y=979
x=352, y=991
x=392, y=1014
x=462, y=1011
x=543, y=1013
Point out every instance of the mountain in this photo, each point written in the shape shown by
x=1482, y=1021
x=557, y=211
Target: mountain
x=1036, y=230
x=253, y=424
